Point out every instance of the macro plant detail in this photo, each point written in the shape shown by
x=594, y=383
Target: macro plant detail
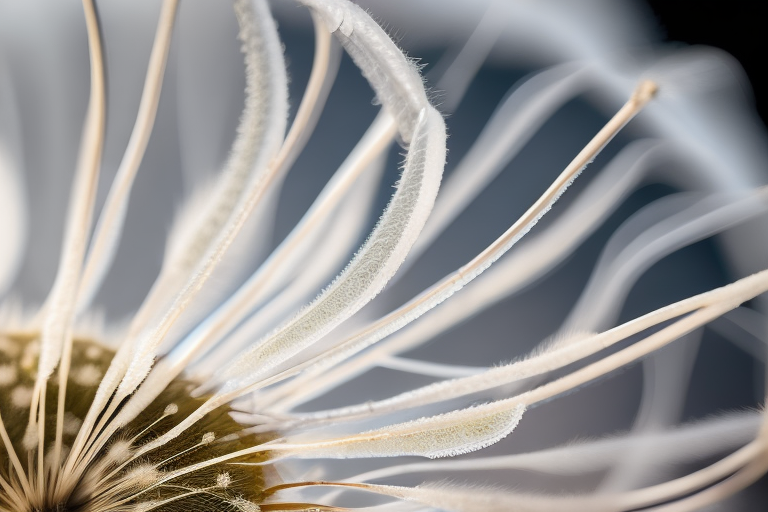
x=198, y=402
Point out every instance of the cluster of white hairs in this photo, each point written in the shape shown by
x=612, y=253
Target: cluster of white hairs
x=225, y=388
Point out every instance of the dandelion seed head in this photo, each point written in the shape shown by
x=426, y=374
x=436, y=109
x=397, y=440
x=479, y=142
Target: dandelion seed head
x=196, y=403
x=115, y=471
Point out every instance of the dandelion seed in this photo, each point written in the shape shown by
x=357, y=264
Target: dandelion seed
x=143, y=476
x=223, y=480
x=199, y=402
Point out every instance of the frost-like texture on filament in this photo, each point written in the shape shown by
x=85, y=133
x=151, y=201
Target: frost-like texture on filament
x=372, y=266
x=444, y=435
x=401, y=92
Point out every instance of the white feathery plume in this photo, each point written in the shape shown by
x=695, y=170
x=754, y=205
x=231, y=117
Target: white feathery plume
x=274, y=271
x=529, y=260
x=683, y=444
x=564, y=353
x=444, y=435
x=399, y=88
x=270, y=275
x=401, y=92
x=199, y=239
x=253, y=289
x=260, y=135
x=454, y=282
x=262, y=131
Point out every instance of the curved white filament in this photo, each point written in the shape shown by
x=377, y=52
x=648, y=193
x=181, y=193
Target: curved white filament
x=629, y=254
x=515, y=121
x=110, y=224
x=444, y=435
x=262, y=130
x=60, y=306
x=524, y=264
x=678, y=445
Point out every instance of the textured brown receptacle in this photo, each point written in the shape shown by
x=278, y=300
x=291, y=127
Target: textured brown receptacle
x=204, y=489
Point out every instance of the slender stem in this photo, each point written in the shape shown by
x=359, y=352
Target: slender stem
x=90, y=164
x=629, y=354
x=644, y=92
x=14, y=458
x=113, y=214
x=114, y=208
x=451, y=283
